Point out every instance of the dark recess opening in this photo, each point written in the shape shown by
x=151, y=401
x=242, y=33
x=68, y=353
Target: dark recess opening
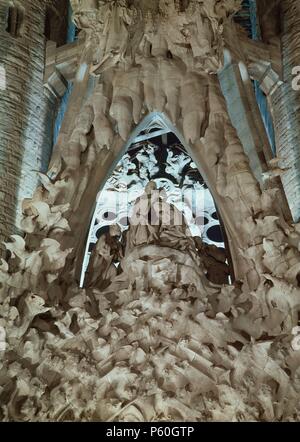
x=56, y=23
x=15, y=21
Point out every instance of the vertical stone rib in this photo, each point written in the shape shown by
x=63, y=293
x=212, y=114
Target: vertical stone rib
x=26, y=113
x=286, y=106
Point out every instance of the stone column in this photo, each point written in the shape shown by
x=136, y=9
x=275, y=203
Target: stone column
x=27, y=113
x=245, y=116
x=286, y=106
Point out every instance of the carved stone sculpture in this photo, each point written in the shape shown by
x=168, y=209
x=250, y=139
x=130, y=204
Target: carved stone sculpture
x=161, y=338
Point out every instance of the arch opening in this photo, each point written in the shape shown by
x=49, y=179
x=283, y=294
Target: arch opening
x=56, y=22
x=156, y=153
x=15, y=19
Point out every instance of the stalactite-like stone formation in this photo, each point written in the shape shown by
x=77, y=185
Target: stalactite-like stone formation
x=152, y=339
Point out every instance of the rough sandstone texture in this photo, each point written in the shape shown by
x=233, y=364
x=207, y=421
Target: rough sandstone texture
x=26, y=112
x=154, y=340
x=286, y=105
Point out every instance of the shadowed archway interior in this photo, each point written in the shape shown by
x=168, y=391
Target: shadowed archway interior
x=156, y=154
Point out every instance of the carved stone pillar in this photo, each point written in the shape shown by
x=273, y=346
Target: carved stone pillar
x=26, y=112
x=286, y=106
x=245, y=116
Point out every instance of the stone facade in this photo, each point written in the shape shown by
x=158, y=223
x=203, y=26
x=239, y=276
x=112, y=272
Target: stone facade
x=151, y=336
x=288, y=106
x=283, y=99
x=27, y=112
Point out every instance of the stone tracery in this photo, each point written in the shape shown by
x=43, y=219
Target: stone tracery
x=174, y=172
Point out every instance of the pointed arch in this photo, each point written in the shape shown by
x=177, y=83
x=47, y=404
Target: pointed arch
x=154, y=125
